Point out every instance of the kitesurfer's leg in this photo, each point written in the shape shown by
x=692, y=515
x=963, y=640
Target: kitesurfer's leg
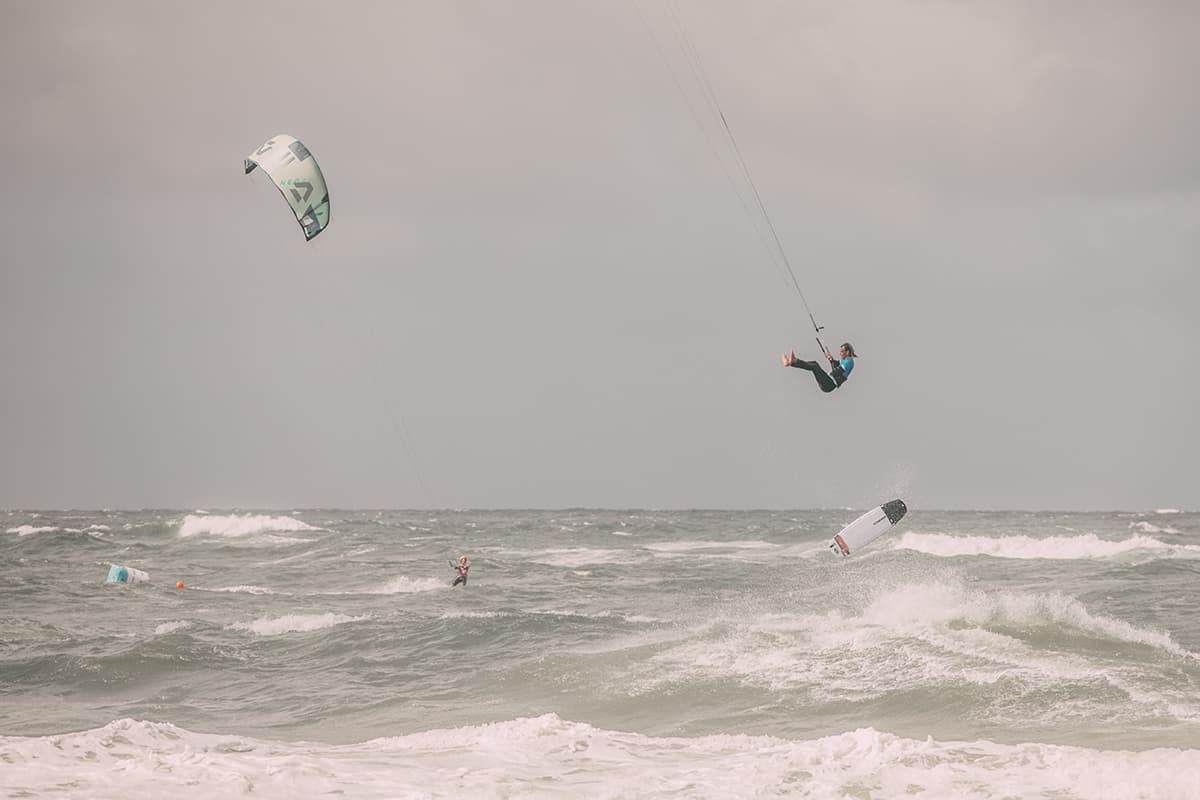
x=823, y=380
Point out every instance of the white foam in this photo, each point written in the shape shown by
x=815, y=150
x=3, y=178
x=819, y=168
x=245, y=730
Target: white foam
x=406, y=585
x=29, y=530
x=1167, y=511
x=636, y=619
x=234, y=525
x=170, y=627
x=942, y=603
x=294, y=623
x=242, y=589
x=1086, y=546
x=925, y=636
x=1147, y=527
x=547, y=757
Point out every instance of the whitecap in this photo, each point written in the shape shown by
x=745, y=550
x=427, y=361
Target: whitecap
x=407, y=585
x=922, y=636
x=546, y=756
x=235, y=525
x=241, y=589
x=29, y=530
x=1028, y=547
x=1148, y=527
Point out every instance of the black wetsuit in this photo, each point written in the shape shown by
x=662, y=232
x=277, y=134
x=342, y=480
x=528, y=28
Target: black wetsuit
x=826, y=381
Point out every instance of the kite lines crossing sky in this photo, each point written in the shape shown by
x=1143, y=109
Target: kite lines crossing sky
x=715, y=125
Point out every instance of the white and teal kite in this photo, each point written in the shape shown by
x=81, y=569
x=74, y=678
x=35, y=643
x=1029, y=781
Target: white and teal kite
x=296, y=174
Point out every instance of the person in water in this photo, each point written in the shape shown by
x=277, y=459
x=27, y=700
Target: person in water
x=462, y=567
x=839, y=368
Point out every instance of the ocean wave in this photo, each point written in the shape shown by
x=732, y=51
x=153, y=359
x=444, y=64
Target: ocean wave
x=476, y=614
x=567, y=613
x=240, y=589
x=406, y=585
x=170, y=627
x=938, y=636
x=945, y=603
x=294, y=623
x=1027, y=547
x=29, y=530
x=633, y=619
x=235, y=525
x=690, y=547
x=548, y=757
x=1148, y=527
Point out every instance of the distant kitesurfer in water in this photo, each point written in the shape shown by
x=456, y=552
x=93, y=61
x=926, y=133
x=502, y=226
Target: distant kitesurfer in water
x=462, y=567
x=839, y=368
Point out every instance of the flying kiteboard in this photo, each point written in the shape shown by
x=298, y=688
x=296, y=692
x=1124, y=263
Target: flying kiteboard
x=297, y=177
x=867, y=528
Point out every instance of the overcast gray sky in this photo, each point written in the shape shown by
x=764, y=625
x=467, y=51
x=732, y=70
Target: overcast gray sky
x=539, y=287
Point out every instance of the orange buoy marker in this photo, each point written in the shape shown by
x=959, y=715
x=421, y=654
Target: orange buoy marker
x=178, y=584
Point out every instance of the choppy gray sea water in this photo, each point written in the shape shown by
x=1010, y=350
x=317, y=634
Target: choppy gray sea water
x=600, y=654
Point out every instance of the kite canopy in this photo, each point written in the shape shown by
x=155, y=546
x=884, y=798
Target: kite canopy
x=298, y=178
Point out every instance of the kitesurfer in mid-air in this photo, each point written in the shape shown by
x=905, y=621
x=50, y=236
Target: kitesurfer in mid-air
x=462, y=567
x=839, y=368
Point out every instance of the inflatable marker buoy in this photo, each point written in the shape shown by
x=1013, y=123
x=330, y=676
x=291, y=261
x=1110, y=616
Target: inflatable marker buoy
x=120, y=574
